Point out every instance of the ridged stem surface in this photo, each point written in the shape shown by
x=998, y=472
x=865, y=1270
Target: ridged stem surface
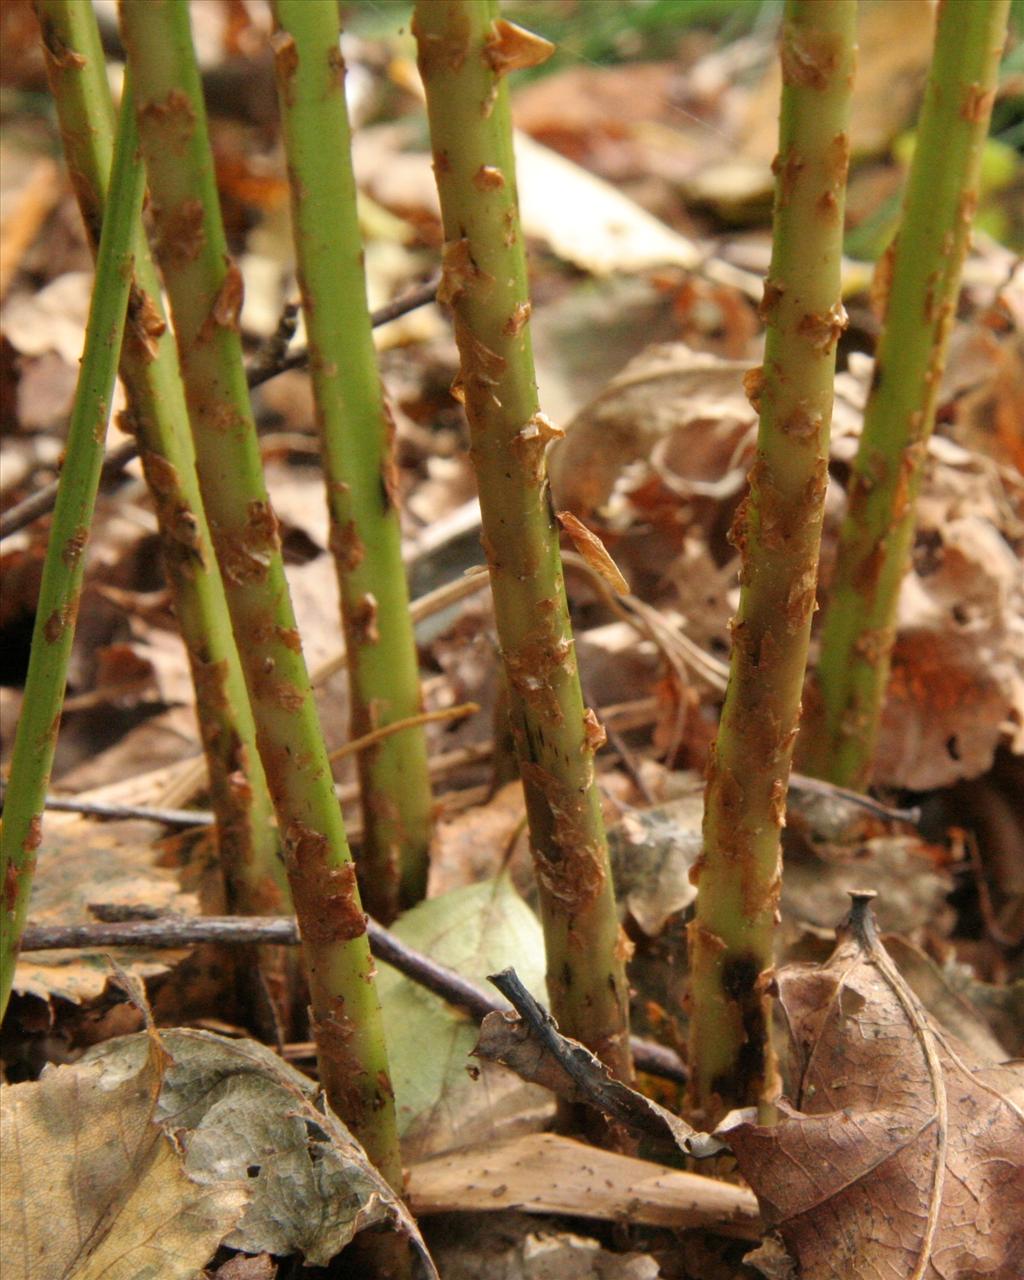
x=777, y=531
x=465, y=51
x=57, y=609
x=924, y=265
x=356, y=433
x=205, y=289
x=254, y=874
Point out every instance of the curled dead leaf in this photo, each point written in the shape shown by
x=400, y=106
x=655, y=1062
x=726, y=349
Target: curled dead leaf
x=905, y=1154
x=593, y=550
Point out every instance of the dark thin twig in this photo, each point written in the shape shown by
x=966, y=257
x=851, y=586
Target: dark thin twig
x=97, y=809
x=41, y=502
x=262, y=370
x=588, y=1077
x=544, y=1033
x=819, y=787
x=182, y=931
x=411, y=301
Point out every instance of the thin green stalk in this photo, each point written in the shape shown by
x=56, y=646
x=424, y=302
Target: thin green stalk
x=205, y=290
x=356, y=435
x=778, y=531
x=925, y=263
x=254, y=874
x=464, y=52
x=57, y=610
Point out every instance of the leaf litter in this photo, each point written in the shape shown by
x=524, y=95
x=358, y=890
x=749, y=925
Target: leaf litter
x=672, y=172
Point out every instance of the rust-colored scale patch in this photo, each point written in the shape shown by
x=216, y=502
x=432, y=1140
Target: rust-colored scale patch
x=268, y=686
x=290, y=638
x=771, y=296
x=346, y=546
x=342, y=1075
x=34, y=835
x=802, y=423
x=823, y=330
x=536, y=663
x=174, y=117
x=753, y=386
x=54, y=626
x=810, y=57
x=63, y=57
x=530, y=443
x=211, y=683
x=286, y=63
x=787, y=169
x=572, y=868
x=509, y=47
x=72, y=550
x=482, y=371
x=162, y=475
x=874, y=644
x=459, y=271
x=245, y=556
x=488, y=178
x=390, y=476
x=361, y=620
x=594, y=733
x=445, y=51
x=336, y=62
x=977, y=104
x=181, y=234
x=146, y=323
x=227, y=306
x=12, y=878
x=518, y=320
x=326, y=897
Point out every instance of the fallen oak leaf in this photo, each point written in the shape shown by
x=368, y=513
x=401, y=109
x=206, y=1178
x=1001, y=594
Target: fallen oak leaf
x=904, y=1156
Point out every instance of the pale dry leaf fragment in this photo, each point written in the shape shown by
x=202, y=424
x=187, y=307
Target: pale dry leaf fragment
x=82, y=862
x=549, y=1173
x=593, y=550
x=905, y=1154
x=94, y=1189
x=240, y=1117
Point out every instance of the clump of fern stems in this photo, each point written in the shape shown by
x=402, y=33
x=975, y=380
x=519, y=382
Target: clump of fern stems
x=205, y=290
x=64, y=566
x=255, y=881
x=465, y=51
x=357, y=449
x=778, y=532
x=923, y=269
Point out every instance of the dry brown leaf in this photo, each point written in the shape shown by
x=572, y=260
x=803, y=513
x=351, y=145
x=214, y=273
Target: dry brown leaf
x=548, y=1173
x=144, y=1157
x=957, y=684
x=80, y=862
x=593, y=550
x=905, y=1155
x=94, y=1189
